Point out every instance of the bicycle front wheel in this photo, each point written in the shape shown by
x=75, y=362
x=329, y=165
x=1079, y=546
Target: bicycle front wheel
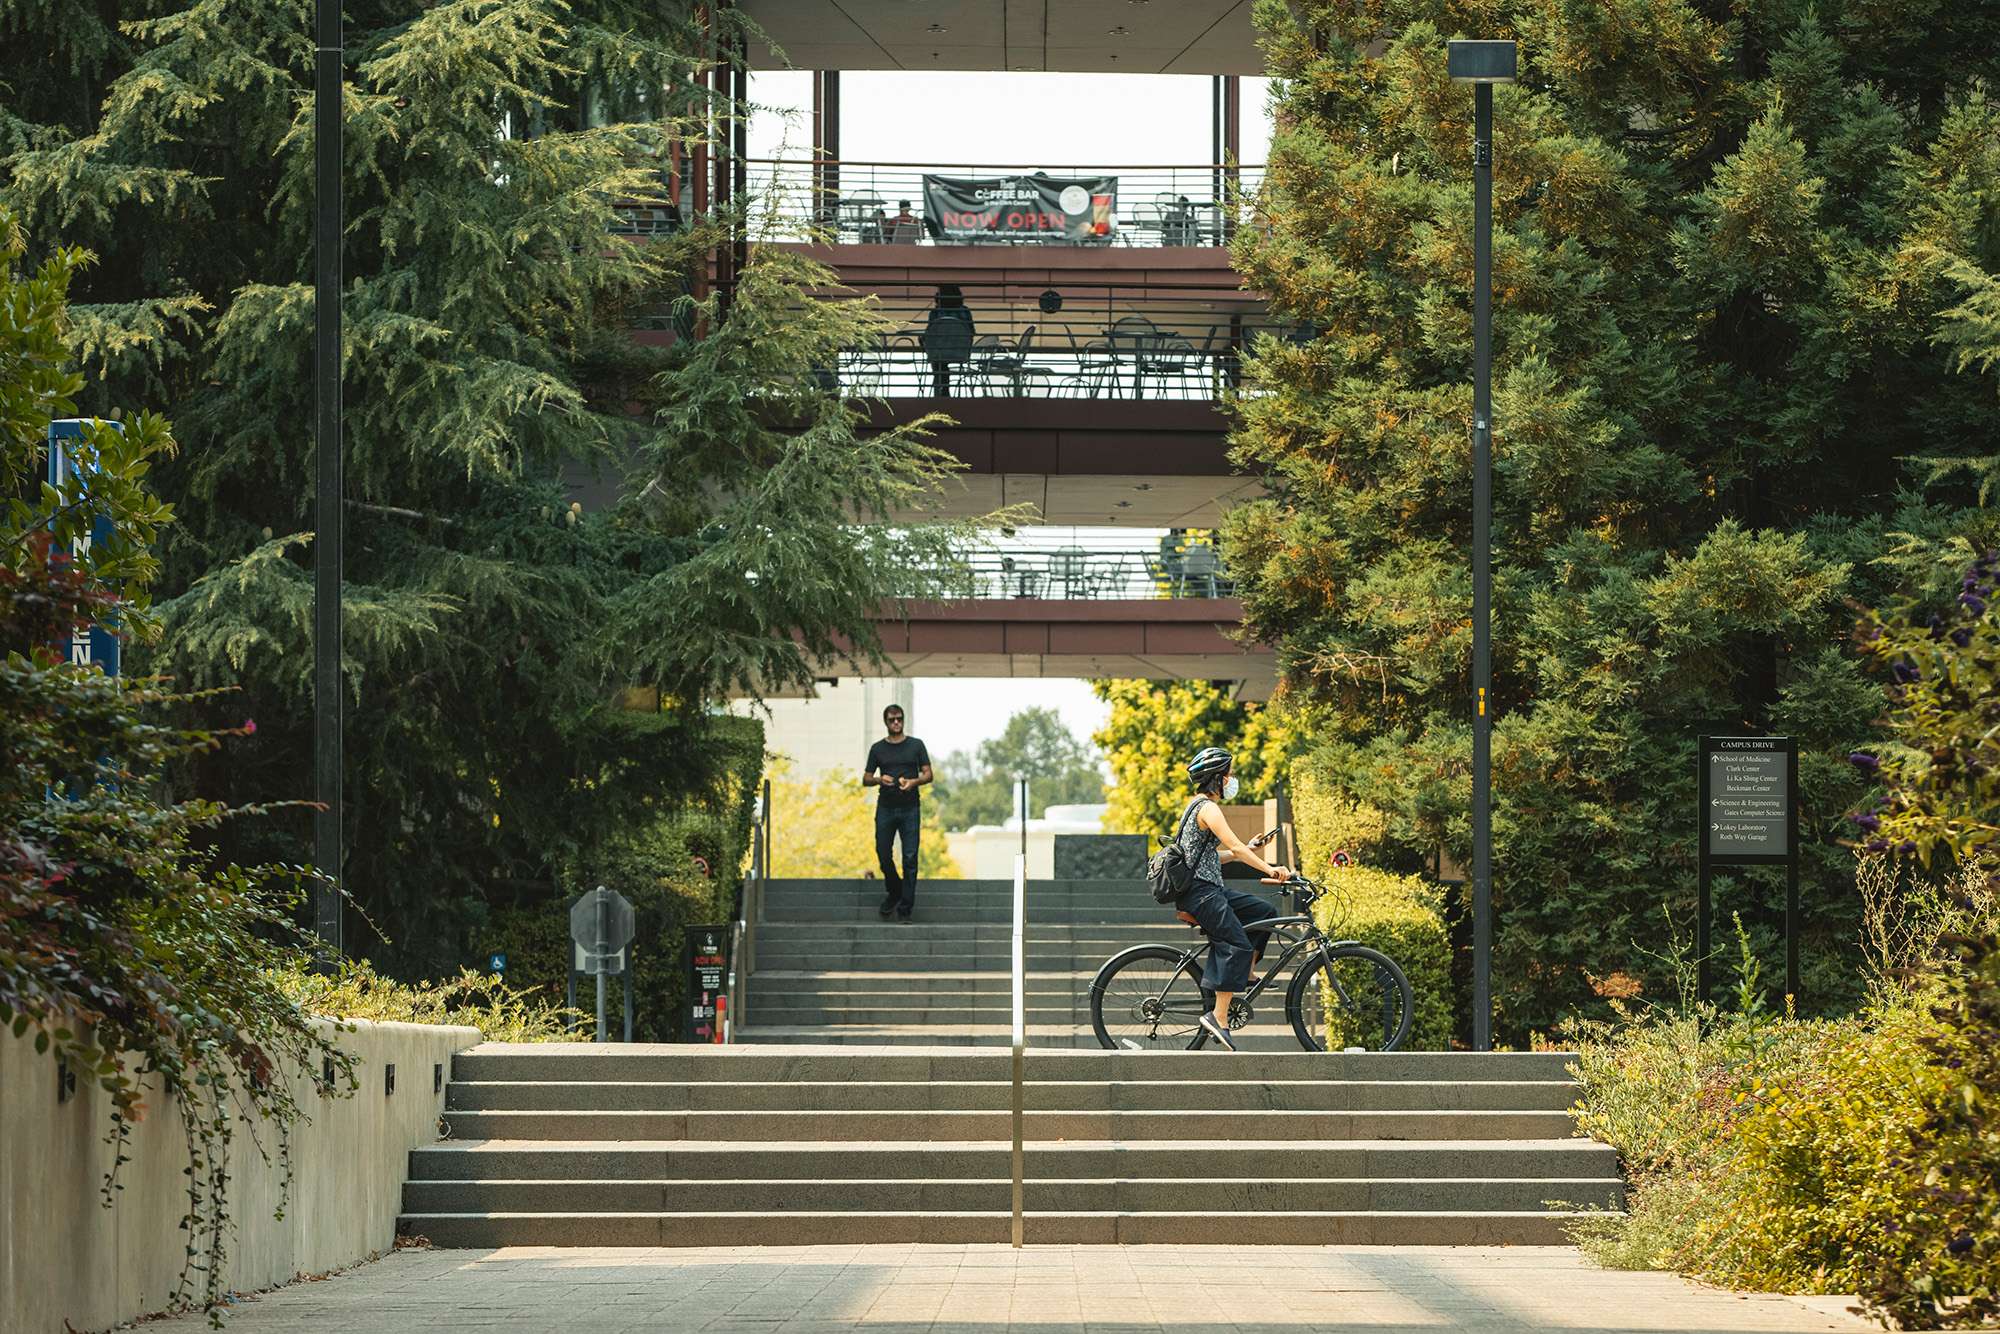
x=1147, y=999
x=1349, y=996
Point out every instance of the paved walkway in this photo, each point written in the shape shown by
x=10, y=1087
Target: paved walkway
x=906, y=1289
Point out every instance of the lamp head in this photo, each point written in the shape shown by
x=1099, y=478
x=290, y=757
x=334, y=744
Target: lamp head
x=1480, y=62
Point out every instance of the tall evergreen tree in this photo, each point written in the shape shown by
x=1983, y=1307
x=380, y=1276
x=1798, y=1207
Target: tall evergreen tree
x=1722, y=237
x=490, y=365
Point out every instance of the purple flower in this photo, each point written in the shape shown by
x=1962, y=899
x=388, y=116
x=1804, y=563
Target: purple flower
x=1869, y=822
x=1863, y=761
x=1960, y=1244
x=1907, y=846
x=1973, y=603
x=1878, y=845
x=1905, y=671
x=1962, y=636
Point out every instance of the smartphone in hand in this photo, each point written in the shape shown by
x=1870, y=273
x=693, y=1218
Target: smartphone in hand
x=1263, y=838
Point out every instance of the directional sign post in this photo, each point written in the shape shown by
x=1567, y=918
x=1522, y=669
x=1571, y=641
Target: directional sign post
x=1749, y=789
x=601, y=927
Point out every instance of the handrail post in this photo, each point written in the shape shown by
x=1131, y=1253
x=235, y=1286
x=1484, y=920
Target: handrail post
x=1020, y=1026
x=749, y=907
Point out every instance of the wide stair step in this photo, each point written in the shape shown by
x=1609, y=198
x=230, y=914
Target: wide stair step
x=829, y=970
x=575, y=1144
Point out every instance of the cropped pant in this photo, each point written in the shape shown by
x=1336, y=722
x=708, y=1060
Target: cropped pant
x=1228, y=917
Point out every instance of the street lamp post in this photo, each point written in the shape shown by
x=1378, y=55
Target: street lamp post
x=329, y=520
x=1482, y=64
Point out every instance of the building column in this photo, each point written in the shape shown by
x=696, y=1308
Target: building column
x=826, y=146
x=1226, y=139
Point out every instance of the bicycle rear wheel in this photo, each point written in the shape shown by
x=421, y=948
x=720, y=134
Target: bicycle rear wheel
x=1349, y=996
x=1147, y=999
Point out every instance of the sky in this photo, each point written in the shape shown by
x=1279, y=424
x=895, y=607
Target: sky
x=1015, y=119
x=957, y=713
x=1050, y=120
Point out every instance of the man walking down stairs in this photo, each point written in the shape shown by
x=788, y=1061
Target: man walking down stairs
x=582, y=1145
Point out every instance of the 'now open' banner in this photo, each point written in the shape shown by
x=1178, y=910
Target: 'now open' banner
x=1074, y=209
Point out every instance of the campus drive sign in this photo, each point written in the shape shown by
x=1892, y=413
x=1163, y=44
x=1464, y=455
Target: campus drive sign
x=1748, y=812
x=1021, y=208
x=1748, y=809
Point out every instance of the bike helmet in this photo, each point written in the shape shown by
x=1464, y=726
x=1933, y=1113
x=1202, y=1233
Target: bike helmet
x=1209, y=762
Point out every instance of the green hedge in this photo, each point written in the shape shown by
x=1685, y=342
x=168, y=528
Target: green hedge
x=1396, y=914
x=655, y=867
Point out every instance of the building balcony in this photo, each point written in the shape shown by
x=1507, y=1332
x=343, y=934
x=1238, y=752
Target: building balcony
x=1088, y=208
x=1048, y=338
x=1177, y=565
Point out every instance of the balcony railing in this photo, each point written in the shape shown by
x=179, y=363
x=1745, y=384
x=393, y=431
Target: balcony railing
x=1175, y=568
x=883, y=203
x=1071, y=341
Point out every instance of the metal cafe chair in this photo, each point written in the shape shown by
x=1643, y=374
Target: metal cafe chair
x=1172, y=357
x=1020, y=579
x=1069, y=568
x=864, y=217
x=1201, y=571
x=1129, y=339
x=1178, y=223
x=1148, y=218
x=989, y=361
x=1096, y=366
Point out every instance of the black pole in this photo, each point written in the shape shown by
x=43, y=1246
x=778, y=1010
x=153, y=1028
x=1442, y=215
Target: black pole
x=1024, y=817
x=1792, y=984
x=329, y=538
x=1704, y=869
x=1482, y=567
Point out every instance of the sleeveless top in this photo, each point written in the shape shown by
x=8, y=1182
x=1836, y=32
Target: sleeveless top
x=1201, y=848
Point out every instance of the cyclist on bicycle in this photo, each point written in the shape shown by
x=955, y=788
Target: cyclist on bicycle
x=1224, y=914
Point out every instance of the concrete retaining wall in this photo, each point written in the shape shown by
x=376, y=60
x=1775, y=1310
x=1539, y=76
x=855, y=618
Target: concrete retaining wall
x=64, y=1256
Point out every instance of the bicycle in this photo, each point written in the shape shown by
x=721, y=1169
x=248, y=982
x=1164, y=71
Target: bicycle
x=1153, y=995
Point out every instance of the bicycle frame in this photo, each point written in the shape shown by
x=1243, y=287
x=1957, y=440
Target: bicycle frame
x=1313, y=938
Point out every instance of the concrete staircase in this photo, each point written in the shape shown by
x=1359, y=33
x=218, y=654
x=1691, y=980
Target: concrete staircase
x=830, y=970
x=580, y=1145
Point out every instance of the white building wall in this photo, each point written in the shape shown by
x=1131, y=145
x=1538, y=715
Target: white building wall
x=834, y=729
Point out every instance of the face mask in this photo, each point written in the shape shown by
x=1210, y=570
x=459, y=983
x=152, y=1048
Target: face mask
x=1230, y=787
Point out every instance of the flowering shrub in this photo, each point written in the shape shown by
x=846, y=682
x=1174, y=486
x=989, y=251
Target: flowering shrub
x=1942, y=773
x=1949, y=1165
x=1756, y=1148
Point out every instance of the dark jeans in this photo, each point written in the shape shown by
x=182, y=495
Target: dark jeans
x=889, y=822
x=1225, y=915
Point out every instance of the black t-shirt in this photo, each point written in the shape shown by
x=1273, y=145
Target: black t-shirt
x=901, y=759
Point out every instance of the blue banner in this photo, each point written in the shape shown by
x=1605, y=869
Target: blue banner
x=87, y=643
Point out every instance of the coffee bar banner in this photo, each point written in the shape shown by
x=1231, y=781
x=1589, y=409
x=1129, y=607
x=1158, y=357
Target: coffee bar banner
x=1058, y=209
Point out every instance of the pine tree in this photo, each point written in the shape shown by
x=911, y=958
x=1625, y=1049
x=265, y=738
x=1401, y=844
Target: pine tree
x=1721, y=239
x=493, y=622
